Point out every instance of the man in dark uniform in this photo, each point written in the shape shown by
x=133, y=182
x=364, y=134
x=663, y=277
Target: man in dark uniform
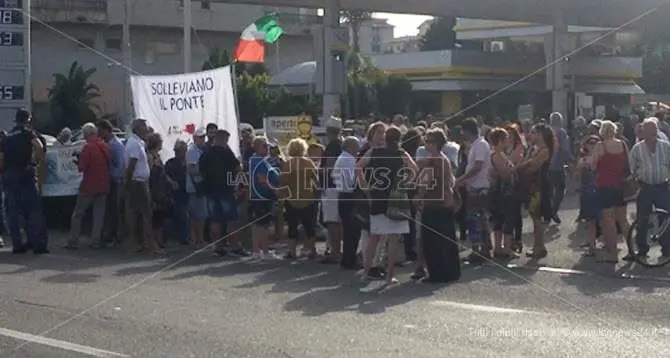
x=19, y=152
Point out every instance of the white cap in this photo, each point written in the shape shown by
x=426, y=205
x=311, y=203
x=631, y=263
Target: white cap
x=200, y=132
x=334, y=122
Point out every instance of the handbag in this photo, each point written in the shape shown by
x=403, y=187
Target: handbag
x=398, y=207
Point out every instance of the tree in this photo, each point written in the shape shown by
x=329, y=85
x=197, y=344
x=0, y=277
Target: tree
x=394, y=94
x=217, y=58
x=440, y=35
x=252, y=98
x=354, y=19
x=71, y=98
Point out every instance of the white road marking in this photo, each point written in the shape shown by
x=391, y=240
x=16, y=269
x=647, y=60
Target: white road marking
x=72, y=347
x=564, y=271
x=482, y=308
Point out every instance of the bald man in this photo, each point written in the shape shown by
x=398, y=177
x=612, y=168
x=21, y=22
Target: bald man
x=649, y=162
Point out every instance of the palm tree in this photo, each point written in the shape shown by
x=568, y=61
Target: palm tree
x=354, y=19
x=71, y=98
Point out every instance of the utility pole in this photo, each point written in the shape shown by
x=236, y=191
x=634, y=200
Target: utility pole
x=127, y=63
x=188, y=24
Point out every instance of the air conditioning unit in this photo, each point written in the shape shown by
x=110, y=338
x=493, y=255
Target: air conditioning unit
x=497, y=46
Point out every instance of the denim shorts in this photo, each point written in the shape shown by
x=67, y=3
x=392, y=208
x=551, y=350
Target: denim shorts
x=197, y=207
x=221, y=209
x=609, y=198
x=590, y=205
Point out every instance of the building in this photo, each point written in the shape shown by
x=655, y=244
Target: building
x=408, y=43
x=402, y=44
x=89, y=32
x=372, y=35
x=500, y=67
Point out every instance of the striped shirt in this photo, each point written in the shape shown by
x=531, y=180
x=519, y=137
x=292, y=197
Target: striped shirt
x=650, y=167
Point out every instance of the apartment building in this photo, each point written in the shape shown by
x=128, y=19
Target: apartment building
x=89, y=31
x=373, y=34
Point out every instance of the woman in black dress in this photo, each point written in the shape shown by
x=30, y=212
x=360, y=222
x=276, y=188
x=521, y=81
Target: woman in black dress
x=438, y=201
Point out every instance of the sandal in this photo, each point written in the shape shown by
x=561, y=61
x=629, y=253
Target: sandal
x=418, y=274
x=537, y=254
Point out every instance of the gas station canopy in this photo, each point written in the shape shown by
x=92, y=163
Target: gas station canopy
x=649, y=15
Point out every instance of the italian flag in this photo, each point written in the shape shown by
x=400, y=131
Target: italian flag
x=251, y=47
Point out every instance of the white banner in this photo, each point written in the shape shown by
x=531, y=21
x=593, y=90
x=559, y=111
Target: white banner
x=62, y=173
x=176, y=105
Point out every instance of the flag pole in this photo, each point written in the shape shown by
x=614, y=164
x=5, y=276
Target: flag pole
x=233, y=65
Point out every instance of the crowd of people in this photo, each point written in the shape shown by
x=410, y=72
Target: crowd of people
x=421, y=189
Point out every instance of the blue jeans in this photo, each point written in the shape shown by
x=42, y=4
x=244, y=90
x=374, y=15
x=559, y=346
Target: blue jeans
x=657, y=195
x=23, y=201
x=180, y=218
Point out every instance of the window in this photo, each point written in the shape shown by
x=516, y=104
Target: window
x=149, y=56
x=86, y=43
x=165, y=48
x=113, y=44
x=376, y=48
x=205, y=4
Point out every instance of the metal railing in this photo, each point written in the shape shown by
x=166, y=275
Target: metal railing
x=70, y=5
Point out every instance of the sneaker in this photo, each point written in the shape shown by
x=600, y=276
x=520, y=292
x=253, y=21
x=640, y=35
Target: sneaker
x=270, y=256
x=221, y=251
x=2, y=243
x=71, y=246
x=241, y=252
x=256, y=256
x=41, y=251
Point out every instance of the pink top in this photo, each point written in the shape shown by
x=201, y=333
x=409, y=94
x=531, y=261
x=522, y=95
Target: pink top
x=480, y=151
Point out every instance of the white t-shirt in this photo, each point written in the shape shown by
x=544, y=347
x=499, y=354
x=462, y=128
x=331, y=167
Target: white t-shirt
x=135, y=149
x=480, y=151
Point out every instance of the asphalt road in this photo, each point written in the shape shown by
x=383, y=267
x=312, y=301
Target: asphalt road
x=109, y=304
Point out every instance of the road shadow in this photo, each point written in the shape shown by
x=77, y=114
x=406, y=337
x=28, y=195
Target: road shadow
x=353, y=295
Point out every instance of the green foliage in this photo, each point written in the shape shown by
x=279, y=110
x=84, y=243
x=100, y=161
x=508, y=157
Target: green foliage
x=372, y=90
x=71, y=98
x=394, y=93
x=440, y=35
x=252, y=98
x=217, y=58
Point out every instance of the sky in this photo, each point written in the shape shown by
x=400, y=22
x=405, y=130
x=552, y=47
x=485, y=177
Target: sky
x=405, y=25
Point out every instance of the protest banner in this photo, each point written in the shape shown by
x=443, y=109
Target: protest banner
x=175, y=106
x=62, y=176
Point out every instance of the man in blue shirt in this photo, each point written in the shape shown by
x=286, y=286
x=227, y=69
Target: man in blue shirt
x=114, y=223
x=562, y=156
x=263, y=180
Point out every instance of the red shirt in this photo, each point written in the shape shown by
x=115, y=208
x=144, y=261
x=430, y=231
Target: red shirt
x=94, y=166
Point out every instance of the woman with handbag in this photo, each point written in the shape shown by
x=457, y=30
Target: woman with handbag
x=389, y=204
x=504, y=199
x=438, y=201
